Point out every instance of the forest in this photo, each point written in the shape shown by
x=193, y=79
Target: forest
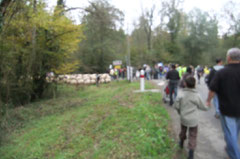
x=35, y=41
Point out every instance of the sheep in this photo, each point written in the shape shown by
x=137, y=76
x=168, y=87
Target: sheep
x=76, y=79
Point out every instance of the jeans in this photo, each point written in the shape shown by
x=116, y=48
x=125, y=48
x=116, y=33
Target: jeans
x=216, y=104
x=231, y=128
x=158, y=75
x=173, y=87
x=148, y=75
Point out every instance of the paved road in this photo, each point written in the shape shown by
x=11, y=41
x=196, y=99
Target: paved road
x=211, y=142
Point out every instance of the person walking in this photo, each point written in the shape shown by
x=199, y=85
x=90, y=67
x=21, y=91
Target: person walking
x=226, y=84
x=188, y=105
x=147, y=70
x=173, y=77
x=199, y=73
x=188, y=73
x=217, y=67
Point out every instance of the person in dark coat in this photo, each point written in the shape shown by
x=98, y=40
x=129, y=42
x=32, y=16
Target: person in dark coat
x=173, y=77
x=226, y=84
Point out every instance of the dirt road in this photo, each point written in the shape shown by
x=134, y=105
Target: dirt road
x=211, y=142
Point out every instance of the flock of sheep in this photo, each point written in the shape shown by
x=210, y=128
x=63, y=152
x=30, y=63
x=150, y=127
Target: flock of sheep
x=77, y=79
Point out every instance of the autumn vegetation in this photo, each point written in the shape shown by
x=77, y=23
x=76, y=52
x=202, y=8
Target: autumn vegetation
x=35, y=40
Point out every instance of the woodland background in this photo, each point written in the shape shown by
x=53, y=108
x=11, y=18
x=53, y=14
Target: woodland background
x=35, y=41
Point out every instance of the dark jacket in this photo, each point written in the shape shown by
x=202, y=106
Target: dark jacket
x=173, y=75
x=226, y=83
x=212, y=73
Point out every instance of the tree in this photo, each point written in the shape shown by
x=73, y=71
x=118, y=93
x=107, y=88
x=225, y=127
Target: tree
x=100, y=23
x=232, y=14
x=142, y=39
x=60, y=3
x=146, y=21
x=35, y=42
x=202, y=37
x=139, y=48
x=173, y=14
x=160, y=41
x=4, y=4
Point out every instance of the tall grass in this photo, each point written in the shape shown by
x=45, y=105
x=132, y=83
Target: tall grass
x=103, y=122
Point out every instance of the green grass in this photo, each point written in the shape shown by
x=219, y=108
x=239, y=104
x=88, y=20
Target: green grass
x=103, y=122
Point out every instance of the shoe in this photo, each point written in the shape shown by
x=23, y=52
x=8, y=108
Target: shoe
x=217, y=116
x=191, y=154
x=181, y=143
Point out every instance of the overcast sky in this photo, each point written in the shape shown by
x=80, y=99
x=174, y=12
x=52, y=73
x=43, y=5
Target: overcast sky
x=133, y=8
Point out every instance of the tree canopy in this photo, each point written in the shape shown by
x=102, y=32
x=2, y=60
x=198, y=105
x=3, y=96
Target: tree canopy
x=35, y=41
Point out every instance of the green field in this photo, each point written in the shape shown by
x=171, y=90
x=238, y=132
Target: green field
x=103, y=122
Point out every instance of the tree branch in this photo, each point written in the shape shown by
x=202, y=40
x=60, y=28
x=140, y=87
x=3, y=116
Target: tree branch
x=74, y=8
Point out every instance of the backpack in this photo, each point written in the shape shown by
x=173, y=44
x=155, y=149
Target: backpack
x=210, y=76
x=161, y=69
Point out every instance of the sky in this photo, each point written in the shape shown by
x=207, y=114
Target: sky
x=133, y=8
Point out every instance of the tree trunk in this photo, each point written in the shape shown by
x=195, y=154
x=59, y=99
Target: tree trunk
x=33, y=56
x=3, y=7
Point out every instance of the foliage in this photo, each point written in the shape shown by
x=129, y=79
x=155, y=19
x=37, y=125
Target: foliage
x=138, y=46
x=67, y=68
x=203, y=36
x=101, y=45
x=98, y=122
x=183, y=38
x=33, y=42
x=232, y=36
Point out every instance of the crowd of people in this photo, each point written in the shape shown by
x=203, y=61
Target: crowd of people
x=117, y=73
x=223, y=82
x=224, y=88
x=159, y=71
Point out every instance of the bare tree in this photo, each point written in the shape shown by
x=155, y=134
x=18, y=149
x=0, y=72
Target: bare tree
x=170, y=10
x=232, y=14
x=33, y=37
x=147, y=22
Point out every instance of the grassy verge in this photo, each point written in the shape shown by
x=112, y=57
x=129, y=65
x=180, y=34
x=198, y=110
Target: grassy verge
x=109, y=121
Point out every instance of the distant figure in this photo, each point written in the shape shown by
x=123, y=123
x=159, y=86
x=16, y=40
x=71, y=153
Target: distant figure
x=217, y=67
x=111, y=73
x=185, y=75
x=156, y=72
x=173, y=77
x=166, y=69
x=199, y=73
x=188, y=105
x=115, y=74
x=148, y=72
x=137, y=74
x=98, y=80
x=226, y=84
x=161, y=71
x=193, y=70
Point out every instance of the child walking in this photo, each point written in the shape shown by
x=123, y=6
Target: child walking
x=187, y=105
